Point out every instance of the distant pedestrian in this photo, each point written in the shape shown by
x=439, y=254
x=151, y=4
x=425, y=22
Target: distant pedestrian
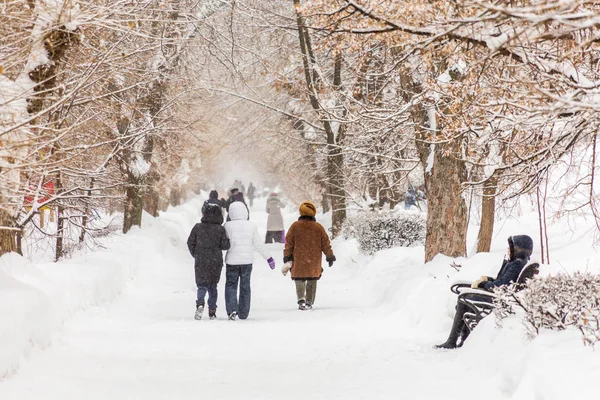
x=275, y=220
x=305, y=241
x=244, y=239
x=238, y=184
x=206, y=242
x=213, y=199
x=410, y=199
x=235, y=196
x=251, y=194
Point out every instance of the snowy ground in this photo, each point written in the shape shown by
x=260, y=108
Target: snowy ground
x=369, y=336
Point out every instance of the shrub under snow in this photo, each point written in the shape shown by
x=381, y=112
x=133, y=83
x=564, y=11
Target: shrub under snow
x=383, y=230
x=556, y=303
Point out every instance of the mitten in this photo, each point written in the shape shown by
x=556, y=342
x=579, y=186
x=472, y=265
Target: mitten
x=286, y=268
x=331, y=260
x=479, y=281
x=271, y=263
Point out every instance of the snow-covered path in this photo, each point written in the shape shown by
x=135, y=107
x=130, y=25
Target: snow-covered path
x=146, y=345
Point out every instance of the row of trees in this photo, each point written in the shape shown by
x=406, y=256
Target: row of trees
x=486, y=98
x=346, y=101
x=496, y=94
x=95, y=100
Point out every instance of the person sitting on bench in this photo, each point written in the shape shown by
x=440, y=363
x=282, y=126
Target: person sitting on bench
x=520, y=249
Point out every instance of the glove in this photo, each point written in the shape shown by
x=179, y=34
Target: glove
x=286, y=268
x=271, y=263
x=479, y=282
x=330, y=260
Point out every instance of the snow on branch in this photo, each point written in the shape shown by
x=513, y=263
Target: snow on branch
x=557, y=303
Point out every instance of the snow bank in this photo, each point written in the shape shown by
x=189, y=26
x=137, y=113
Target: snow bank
x=420, y=308
x=36, y=300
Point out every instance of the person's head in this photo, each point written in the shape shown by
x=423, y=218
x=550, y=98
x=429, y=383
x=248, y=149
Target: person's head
x=520, y=246
x=238, y=211
x=274, y=194
x=213, y=195
x=212, y=214
x=238, y=196
x=308, y=209
x=234, y=191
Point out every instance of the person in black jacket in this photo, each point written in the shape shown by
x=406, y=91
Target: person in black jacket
x=213, y=199
x=206, y=243
x=520, y=249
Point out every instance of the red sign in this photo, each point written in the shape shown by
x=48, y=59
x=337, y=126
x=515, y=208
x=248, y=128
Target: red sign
x=44, y=195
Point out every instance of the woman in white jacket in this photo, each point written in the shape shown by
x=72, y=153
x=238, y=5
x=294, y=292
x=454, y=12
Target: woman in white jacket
x=244, y=238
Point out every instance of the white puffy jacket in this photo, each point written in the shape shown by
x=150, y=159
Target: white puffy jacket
x=244, y=237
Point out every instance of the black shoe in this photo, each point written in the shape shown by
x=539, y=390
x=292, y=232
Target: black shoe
x=447, y=345
x=464, y=334
x=212, y=314
x=308, y=307
x=233, y=316
x=301, y=305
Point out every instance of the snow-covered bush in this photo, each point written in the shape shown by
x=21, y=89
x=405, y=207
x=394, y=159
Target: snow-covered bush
x=556, y=303
x=382, y=230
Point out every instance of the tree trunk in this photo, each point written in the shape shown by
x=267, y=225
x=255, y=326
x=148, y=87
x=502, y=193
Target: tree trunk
x=86, y=211
x=446, y=209
x=336, y=159
x=488, y=214
x=8, y=233
x=60, y=222
x=151, y=203
x=445, y=173
x=338, y=193
x=60, y=229
x=134, y=205
x=335, y=156
x=175, y=196
x=20, y=241
x=325, y=202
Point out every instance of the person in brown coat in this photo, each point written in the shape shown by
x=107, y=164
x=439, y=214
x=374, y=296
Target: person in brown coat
x=304, y=242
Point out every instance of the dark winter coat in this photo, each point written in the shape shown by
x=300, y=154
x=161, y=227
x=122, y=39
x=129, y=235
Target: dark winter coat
x=304, y=242
x=213, y=199
x=521, y=248
x=206, y=243
x=238, y=196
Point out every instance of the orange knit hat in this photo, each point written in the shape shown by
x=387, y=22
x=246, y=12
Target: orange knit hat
x=308, y=209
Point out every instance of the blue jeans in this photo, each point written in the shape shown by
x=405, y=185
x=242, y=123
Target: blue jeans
x=238, y=274
x=211, y=288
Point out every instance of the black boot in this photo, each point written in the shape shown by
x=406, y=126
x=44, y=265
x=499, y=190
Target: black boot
x=464, y=334
x=457, y=327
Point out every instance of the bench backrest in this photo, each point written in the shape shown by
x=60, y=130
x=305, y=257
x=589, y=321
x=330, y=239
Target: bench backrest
x=528, y=272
